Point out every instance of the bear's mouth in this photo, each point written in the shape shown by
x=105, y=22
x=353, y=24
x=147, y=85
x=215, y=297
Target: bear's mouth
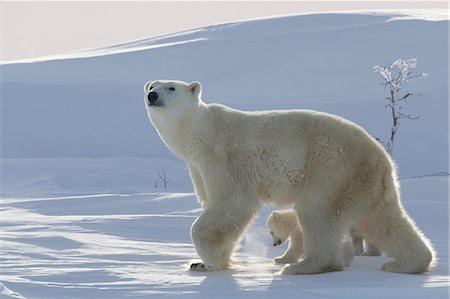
x=155, y=104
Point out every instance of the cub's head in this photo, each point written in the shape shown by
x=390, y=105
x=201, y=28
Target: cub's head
x=165, y=95
x=279, y=227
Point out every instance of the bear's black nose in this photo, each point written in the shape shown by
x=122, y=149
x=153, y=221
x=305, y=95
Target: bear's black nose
x=152, y=97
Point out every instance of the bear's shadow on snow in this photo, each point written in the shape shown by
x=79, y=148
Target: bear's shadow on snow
x=215, y=282
x=364, y=272
x=367, y=269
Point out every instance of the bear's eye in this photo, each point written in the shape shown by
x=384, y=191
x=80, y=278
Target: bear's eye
x=171, y=88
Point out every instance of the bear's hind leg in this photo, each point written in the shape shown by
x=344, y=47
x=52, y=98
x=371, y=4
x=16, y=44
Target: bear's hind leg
x=393, y=231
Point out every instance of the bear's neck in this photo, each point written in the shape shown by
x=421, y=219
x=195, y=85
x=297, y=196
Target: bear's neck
x=189, y=134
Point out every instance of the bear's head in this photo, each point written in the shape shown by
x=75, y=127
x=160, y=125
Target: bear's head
x=278, y=227
x=166, y=95
x=170, y=106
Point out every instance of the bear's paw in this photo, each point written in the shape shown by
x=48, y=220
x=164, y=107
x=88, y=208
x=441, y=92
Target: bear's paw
x=199, y=267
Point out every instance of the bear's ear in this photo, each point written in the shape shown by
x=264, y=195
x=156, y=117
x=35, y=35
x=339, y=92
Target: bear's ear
x=147, y=86
x=275, y=214
x=196, y=88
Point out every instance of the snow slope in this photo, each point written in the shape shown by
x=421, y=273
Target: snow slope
x=321, y=62
x=84, y=214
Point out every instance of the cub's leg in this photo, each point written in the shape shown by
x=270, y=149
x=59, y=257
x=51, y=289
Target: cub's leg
x=291, y=255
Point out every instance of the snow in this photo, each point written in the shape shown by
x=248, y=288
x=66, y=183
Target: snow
x=138, y=245
x=84, y=215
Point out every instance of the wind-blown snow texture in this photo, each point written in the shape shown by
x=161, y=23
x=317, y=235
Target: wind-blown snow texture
x=84, y=214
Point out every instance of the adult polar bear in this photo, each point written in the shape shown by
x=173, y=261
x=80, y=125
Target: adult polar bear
x=334, y=173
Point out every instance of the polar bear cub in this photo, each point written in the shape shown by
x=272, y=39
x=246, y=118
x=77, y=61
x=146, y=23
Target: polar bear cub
x=284, y=225
x=331, y=170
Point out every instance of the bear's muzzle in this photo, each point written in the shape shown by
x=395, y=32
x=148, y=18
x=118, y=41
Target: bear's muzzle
x=152, y=98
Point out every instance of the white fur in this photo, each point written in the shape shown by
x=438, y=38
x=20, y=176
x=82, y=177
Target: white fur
x=284, y=225
x=334, y=173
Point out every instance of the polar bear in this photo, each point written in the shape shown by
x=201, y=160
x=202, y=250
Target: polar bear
x=333, y=172
x=284, y=225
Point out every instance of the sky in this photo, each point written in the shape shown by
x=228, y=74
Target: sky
x=31, y=29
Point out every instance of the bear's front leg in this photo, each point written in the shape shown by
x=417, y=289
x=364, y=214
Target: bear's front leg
x=215, y=234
